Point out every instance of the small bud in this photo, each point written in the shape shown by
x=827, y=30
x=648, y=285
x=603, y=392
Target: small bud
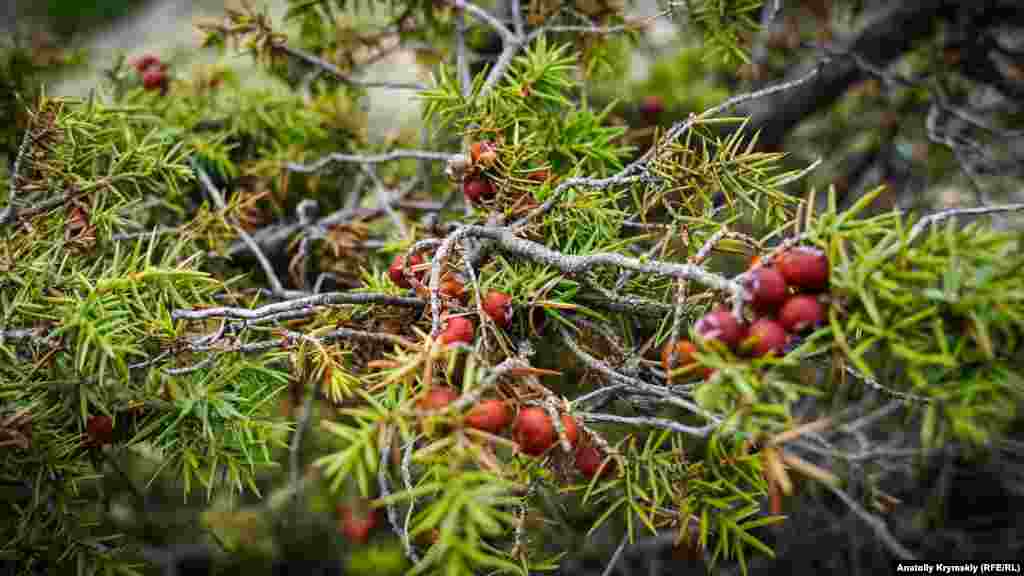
x=456, y=168
x=483, y=153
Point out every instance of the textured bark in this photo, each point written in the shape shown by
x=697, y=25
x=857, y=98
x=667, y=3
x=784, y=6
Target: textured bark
x=884, y=39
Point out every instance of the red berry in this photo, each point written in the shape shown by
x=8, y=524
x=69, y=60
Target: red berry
x=459, y=329
x=477, y=189
x=721, y=325
x=766, y=335
x=100, y=429
x=805, y=267
x=356, y=526
x=490, y=415
x=652, y=105
x=767, y=288
x=801, y=312
x=498, y=306
x=437, y=398
x=534, y=431
x=146, y=62
x=589, y=460
x=154, y=79
x=395, y=270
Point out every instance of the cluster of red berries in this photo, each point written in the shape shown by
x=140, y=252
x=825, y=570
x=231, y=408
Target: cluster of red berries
x=153, y=72
x=532, y=428
x=784, y=301
x=497, y=305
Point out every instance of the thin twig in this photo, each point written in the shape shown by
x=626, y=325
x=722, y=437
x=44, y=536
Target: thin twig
x=876, y=524
x=218, y=200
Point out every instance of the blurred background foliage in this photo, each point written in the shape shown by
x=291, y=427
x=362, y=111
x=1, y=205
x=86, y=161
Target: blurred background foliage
x=68, y=18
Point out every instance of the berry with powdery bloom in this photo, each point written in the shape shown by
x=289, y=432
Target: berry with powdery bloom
x=355, y=525
x=801, y=312
x=490, y=416
x=395, y=270
x=477, y=189
x=721, y=325
x=154, y=79
x=589, y=460
x=805, y=267
x=766, y=336
x=458, y=329
x=534, y=431
x=437, y=398
x=146, y=62
x=498, y=306
x=767, y=288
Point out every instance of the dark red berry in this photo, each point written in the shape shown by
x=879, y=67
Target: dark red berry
x=100, y=429
x=146, y=62
x=767, y=288
x=154, y=79
x=395, y=270
x=534, y=431
x=721, y=325
x=437, y=398
x=652, y=105
x=801, y=312
x=490, y=415
x=498, y=306
x=477, y=189
x=805, y=267
x=355, y=525
x=765, y=336
x=458, y=329
x=589, y=460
